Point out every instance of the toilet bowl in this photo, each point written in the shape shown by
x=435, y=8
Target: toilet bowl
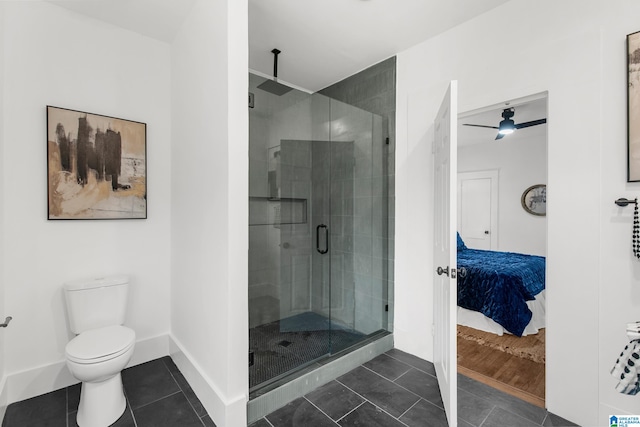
x=96, y=357
x=102, y=347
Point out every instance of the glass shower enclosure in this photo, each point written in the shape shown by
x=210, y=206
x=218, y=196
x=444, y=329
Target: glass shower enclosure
x=318, y=231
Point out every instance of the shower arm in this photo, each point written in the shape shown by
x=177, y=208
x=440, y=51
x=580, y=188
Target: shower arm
x=275, y=63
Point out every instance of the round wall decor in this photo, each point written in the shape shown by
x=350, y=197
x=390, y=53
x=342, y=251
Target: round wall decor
x=534, y=200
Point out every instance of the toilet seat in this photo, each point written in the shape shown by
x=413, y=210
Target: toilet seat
x=100, y=345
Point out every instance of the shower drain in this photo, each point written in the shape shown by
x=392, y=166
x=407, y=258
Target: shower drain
x=285, y=343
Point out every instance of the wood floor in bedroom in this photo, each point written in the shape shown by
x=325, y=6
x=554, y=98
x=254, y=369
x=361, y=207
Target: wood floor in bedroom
x=519, y=377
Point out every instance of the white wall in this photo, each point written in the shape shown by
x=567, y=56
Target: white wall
x=55, y=57
x=3, y=312
x=210, y=203
x=520, y=162
x=575, y=50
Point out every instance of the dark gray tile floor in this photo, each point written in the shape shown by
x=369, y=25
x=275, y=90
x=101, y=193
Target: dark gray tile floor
x=394, y=389
x=398, y=389
x=157, y=395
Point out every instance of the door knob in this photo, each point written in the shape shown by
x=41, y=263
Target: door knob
x=486, y=231
x=441, y=271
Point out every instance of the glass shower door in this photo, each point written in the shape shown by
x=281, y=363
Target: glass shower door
x=358, y=292
x=316, y=283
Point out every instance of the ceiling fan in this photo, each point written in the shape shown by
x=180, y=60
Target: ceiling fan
x=507, y=125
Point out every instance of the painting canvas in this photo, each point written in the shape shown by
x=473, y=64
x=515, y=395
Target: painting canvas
x=96, y=166
x=633, y=107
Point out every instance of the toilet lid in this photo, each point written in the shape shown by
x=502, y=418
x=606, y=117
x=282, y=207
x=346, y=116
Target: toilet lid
x=95, y=344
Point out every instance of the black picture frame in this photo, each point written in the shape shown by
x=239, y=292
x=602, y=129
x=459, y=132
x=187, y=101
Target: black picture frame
x=96, y=166
x=633, y=107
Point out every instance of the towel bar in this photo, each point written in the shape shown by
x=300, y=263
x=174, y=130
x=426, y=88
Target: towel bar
x=624, y=202
x=6, y=322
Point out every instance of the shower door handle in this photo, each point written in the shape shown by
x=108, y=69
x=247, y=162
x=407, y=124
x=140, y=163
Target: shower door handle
x=326, y=239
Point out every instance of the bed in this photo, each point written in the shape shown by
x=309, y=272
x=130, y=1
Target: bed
x=501, y=291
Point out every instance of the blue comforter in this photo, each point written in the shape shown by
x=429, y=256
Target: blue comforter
x=498, y=284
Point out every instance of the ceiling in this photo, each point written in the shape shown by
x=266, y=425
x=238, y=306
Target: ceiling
x=322, y=41
x=325, y=41
x=158, y=19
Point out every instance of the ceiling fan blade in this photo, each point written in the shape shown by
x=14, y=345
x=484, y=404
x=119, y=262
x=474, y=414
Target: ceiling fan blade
x=499, y=136
x=531, y=123
x=480, y=126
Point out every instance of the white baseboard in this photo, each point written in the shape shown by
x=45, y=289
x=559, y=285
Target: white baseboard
x=36, y=381
x=44, y=379
x=150, y=349
x=224, y=412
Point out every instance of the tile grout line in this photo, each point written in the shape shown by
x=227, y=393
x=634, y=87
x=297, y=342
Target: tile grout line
x=545, y=418
x=323, y=413
x=404, y=388
x=184, y=394
x=400, y=361
x=66, y=409
x=133, y=417
x=520, y=416
x=410, y=408
x=487, y=417
x=158, y=400
x=351, y=411
x=394, y=381
x=413, y=366
x=401, y=375
x=367, y=400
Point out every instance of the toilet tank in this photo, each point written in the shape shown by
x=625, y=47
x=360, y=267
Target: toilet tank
x=96, y=303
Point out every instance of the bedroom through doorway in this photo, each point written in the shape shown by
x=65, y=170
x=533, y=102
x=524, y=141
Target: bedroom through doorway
x=502, y=242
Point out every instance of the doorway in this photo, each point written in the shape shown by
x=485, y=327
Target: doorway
x=493, y=173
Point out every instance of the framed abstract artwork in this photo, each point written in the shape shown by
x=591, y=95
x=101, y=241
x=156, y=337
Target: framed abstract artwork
x=96, y=166
x=633, y=107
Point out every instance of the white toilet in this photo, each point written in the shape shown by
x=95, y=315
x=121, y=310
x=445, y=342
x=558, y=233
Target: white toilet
x=102, y=348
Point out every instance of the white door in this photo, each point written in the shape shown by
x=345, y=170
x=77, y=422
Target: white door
x=444, y=254
x=478, y=209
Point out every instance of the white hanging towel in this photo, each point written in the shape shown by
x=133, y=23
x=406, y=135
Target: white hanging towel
x=627, y=369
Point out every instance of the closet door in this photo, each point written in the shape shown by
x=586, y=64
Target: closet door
x=478, y=209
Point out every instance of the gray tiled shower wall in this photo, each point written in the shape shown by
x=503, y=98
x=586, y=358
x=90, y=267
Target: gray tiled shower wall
x=374, y=90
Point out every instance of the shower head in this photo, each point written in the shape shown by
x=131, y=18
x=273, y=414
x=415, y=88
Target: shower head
x=272, y=86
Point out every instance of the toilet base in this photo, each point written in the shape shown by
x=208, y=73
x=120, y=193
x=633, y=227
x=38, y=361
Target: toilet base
x=101, y=403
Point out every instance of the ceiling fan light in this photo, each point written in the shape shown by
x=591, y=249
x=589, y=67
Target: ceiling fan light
x=506, y=127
